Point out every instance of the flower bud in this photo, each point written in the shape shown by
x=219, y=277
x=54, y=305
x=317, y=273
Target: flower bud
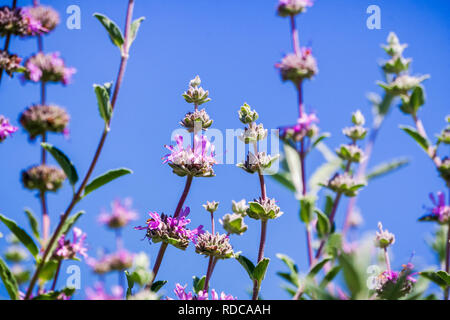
x=217, y=245
x=264, y=209
x=358, y=118
x=9, y=62
x=253, y=133
x=211, y=207
x=292, y=7
x=394, y=48
x=247, y=115
x=355, y=132
x=444, y=137
x=396, y=65
x=296, y=68
x=240, y=207
x=345, y=184
x=195, y=82
x=402, y=84
x=196, y=94
x=383, y=238
x=43, y=178
x=197, y=119
x=233, y=223
x=257, y=163
x=40, y=119
x=350, y=153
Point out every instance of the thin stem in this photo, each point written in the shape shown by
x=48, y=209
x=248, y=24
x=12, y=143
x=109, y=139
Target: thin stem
x=77, y=195
x=212, y=224
x=262, y=243
x=58, y=268
x=119, y=240
x=45, y=218
x=208, y=273
x=447, y=261
x=163, y=247
x=295, y=38
x=386, y=258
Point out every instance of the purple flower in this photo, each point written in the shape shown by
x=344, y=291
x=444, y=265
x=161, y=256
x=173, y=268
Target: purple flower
x=99, y=293
x=117, y=261
x=6, y=129
x=293, y=7
x=181, y=294
x=121, y=214
x=196, y=161
x=304, y=126
x=440, y=212
x=47, y=68
x=67, y=249
x=298, y=67
x=34, y=25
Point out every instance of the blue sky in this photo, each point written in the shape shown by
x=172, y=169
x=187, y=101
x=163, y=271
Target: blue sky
x=233, y=46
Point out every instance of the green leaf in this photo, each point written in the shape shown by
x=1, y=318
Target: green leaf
x=323, y=223
x=261, y=268
x=329, y=201
x=34, y=224
x=9, y=281
x=294, y=165
x=319, y=139
x=54, y=295
x=285, y=179
x=386, y=168
x=435, y=277
x=329, y=277
x=63, y=161
x=103, y=102
x=256, y=208
x=70, y=222
x=113, y=30
x=334, y=244
x=351, y=275
x=48, y=271
x=247, y=264
x=23, y=237
x=134, y=30
x=288, y=262
x=130, y=283
x=317, y=267
x=307, y=205
x=323, y=174
x=105, y=178
x=413, y=133
x=198, y=284
x=156, y=286
x=444, y=276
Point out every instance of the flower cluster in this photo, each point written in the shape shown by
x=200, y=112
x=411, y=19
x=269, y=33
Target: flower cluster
x=48, y=68
x=196, y=94
x=19, y=21
x=351, y=153
x=171, y=230
x=253, y=133
x=264, y=209
x=181, y=294
x=121, y=214
x=6, y=129
x=40, y=119
x=388, y=281
x=47, y=17
x=440, y=212
x=305, y=127
x=196, y=161
x=293, y=7
x=214, y=245
x=233, y=223
x=117, y=261
x=344, y=183
x=383, y=238
x=258, y=162
x=9, y=62
x=196, y=121
x=43, y=178
x=68, y=250
x=296, y=68
x=99, y=293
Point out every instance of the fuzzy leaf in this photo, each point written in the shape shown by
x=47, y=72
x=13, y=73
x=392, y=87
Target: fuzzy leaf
x=198, y=283
x=413, y=133
x=134, y=30
x=386, y=168
x=247, y=264
x=330, y=276
x=105, y=178
x=103, y=102
x=261, y=268
x=34, y=224
x=294, y=165
x=156, y=286
x=323, y=174
x=323, y=223
x=285, y=179
x=63, y=161
x=9, y=281
x=113, y=30
x=23, y=237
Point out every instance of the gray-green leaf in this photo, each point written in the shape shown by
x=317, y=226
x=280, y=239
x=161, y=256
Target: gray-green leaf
x=9, y=281
x=113, y=30
x=105, y=178
x=63, y=161
x=23, y=237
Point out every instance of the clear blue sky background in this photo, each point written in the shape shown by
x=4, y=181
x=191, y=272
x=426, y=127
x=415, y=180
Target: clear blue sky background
x=233, y=46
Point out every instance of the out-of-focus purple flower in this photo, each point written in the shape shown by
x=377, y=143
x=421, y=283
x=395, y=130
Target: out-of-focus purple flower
x=292, y=7
x=170, y=229
x=121, y=214
x=6, y=129
x=196, y=161
x=98, y=292
x=388, y=279
x=67, y=249
x=305, y=126
x=117, y=261
x=34, y=25
x=47, y=68
x=296, y=67
x=440, y=212
x=181, y=294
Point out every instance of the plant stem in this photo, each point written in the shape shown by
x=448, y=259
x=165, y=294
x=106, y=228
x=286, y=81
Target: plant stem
x=386, y=258
x=431, y=151
x=209, y=271
x=295, y=38
x=58, y=268
x=77, y=195
x=163, y=247
x=447, y=261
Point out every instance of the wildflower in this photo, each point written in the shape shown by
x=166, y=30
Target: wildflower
x=295, y=67
x=253, y=133
x=39, y=119
x=121, y=214
x=18, y=21
x=355, y=132
x=47, y=17
x=396, y=65
x=163, y=228
x=394, y=285
x=197, y=119
x=195, y=161
x=68, y=250
x=345, y=184
x=6, y=129
x=48, y=68
x=99, y=293
x=116, y=261
x=293, y=7
x=305, y=127
x=444, y=137
x=257, y=163
x=247, y=115
x=181, y=294
x=264, y=209
x=211, y=207
x=394, y=48
x=196, y=94
x=239, y=207
x=351, y=153
x=10, y=62
x=383, y=238
x=233, y=223
x=214, y=245
x=440, y=212
x=358, y=118
x=402, y=84
x=43, y=178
